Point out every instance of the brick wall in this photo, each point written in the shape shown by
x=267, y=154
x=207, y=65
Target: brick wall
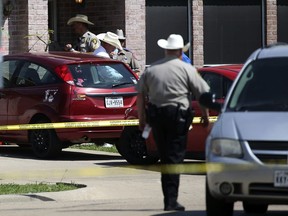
x=28, y=21
x=5, y=37
x=30, y=18
x=135, y=31
x=37, y=25
x=271, y=21
x=15, y=28
x=198, y=32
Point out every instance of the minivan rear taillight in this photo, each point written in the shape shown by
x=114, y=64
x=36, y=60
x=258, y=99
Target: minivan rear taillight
x=64, y=72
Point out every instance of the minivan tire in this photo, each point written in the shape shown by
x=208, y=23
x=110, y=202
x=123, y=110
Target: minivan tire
x=216, y=206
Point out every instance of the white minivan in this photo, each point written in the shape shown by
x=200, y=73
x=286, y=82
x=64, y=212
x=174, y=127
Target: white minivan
x=247, y=148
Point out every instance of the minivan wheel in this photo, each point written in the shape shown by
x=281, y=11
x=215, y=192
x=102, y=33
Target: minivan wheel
x=44, y=142
x=132, y=147
x=216, y=206
x=255, y=208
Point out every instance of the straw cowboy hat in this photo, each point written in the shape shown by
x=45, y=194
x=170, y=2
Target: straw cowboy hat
x=173, y=42
x=186, y=47
x=120, y=34
x=79, y=18
x=110, y=38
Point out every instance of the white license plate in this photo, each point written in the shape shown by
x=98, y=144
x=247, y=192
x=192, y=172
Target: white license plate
x=281, y=178
x=112, y=102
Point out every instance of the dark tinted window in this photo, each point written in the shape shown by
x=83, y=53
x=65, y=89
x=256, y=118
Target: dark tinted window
x=232, y=30
x=164, y=17
x=282, y=20
x=32, y=74
x=262, y=87
x=215, y=83
x=102, y=76
x=219, y=85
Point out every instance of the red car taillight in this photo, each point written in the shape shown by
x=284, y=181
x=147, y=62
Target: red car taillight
x=64, y=72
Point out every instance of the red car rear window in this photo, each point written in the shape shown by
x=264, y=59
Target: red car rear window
x=101, y=75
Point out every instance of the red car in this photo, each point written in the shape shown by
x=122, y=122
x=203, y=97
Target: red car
x=137, y=150
x=63, y=87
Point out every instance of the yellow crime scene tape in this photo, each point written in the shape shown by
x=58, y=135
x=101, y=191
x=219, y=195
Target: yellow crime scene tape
x=172, y=169
x=190, y=168
x=100, y=123
x=187, y=168
x=104, y=171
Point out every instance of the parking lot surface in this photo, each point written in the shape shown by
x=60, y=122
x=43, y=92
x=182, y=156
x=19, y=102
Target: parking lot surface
x=112, y=186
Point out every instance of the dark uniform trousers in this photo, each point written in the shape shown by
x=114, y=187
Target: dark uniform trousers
x=170, y=126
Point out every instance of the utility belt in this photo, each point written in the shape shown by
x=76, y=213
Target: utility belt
x=175, y=113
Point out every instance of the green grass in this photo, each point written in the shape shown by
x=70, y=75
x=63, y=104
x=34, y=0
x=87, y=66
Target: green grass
x=12, y=188
x=95, y=147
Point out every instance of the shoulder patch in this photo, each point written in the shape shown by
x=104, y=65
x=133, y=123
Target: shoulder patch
x=95, y=43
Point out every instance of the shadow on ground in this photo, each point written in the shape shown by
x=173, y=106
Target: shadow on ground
x=190, y=167
x=15, y=151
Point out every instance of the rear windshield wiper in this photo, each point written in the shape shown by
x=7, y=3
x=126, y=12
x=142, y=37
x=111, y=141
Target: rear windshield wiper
x=120, y=84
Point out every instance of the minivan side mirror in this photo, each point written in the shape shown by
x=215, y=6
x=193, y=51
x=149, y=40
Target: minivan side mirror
x=208, y=100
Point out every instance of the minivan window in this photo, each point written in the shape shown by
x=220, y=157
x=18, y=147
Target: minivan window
x=262, y=87
x=101, y=75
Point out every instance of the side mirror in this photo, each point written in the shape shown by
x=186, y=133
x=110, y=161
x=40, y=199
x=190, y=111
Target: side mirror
x=208, y=100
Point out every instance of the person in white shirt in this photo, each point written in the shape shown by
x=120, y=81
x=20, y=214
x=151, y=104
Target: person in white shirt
x=109, y=42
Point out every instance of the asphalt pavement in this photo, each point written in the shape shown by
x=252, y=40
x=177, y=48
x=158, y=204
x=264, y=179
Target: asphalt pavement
x=109, y=186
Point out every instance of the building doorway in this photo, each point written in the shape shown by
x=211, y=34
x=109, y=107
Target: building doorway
x=165, y=17
x=232, y=30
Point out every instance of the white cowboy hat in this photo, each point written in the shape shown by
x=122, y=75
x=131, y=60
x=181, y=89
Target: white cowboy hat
x=173, y=42
x=101, y=36
x=120, y=34
x=79, y=18
x=110, y=38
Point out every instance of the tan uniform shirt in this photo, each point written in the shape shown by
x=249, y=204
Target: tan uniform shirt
x=128, y=58
x=171, y=81
x=88, y=42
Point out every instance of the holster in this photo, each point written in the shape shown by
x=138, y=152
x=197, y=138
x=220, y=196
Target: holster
x=184, y=117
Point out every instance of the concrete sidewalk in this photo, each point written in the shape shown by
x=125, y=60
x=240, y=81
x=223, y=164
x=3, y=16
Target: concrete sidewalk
x=112, y=186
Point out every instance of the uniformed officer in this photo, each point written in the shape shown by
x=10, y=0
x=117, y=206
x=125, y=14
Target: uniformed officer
x=164, y=102
x=87, y=41
x=125, y=55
